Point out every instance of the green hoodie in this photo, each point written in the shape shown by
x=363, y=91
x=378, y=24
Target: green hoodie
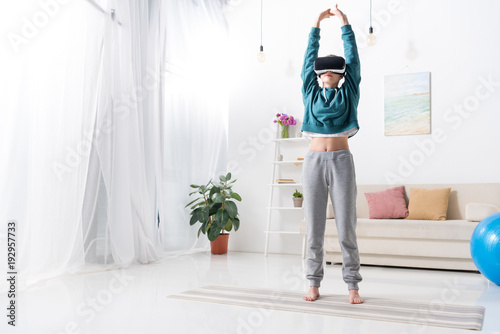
x=330, y=111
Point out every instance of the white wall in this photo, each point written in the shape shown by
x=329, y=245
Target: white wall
x=454, y=40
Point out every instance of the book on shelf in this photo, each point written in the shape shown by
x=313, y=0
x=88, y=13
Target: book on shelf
x=285, y=181
x=298, y=163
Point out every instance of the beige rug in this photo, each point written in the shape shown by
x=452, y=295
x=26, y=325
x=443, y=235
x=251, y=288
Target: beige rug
x=381, y=309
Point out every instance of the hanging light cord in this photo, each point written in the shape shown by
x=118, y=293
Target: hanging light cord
x=370, y=13
x=261, y=23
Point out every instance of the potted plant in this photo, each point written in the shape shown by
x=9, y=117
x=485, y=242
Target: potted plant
x=298, y=198
x=215, y=209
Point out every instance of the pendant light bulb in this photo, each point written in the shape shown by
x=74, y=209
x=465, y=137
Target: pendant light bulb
x=371, y=39
x=261, y=56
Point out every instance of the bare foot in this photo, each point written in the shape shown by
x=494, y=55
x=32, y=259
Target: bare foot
x=354, y=297
x=313, y=294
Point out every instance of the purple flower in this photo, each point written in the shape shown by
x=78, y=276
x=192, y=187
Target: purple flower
x=284, y=119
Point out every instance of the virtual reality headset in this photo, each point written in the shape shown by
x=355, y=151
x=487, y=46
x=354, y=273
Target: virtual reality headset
x=333, y=63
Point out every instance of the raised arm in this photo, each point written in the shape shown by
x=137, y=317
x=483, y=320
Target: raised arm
x=353, y=72
x=308, y=75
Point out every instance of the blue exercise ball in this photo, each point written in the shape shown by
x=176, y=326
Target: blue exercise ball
x=485, y=247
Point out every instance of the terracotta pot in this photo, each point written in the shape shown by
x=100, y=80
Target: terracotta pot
x=297, y=202
x=219, y=245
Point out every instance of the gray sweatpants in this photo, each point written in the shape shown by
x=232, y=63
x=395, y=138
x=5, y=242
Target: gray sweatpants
x=334, y=170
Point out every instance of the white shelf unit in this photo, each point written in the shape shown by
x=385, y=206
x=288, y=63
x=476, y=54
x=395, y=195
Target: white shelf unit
x=283, y=208
x=287, y=162
x=298, y=147
x=285, y=185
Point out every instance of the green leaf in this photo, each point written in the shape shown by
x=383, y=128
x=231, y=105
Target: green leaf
x=236, y=223
x=194, y=186
x=214, y=190
x=205, y=213
x=204, y=227
x=213, y=232
x=202, y=203
x=222, y=178
x=193, y=220
x=228, y=176
x=221, y=218
x=196, y=199
x=213, y=208
x=195, y=216
x=219, y=198
x=229, y=225
x=236, y=196
x=199, y=231
x=231, y=209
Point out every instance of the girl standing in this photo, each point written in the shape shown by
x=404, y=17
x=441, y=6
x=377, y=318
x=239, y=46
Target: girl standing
x=330, y=118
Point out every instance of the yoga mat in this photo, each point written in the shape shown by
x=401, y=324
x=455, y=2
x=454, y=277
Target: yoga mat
x=381, y=309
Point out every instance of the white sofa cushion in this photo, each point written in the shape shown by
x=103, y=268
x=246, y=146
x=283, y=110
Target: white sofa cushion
x=475, y=212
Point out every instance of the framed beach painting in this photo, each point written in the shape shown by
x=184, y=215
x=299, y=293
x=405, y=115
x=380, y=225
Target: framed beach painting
x=407, y=104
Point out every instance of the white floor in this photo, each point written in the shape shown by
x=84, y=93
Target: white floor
x=134, y=300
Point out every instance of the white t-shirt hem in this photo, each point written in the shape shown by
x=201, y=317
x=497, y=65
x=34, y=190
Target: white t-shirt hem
x=347, y=133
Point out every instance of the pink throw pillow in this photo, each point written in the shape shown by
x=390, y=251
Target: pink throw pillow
x=387, y=204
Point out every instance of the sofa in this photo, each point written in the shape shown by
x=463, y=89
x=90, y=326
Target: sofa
x=436, y=244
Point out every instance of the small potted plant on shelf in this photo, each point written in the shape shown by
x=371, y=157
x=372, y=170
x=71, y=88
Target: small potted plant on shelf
x=215, y=209
x=298, y=198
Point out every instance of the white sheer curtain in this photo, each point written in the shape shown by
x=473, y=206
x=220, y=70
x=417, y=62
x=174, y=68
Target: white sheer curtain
x=196, y=97
x=100, y=137
x=50, y=116
x=126, y=137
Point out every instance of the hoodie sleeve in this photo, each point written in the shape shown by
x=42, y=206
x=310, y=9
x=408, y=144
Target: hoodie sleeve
x=353, y=70
x=308, y=75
